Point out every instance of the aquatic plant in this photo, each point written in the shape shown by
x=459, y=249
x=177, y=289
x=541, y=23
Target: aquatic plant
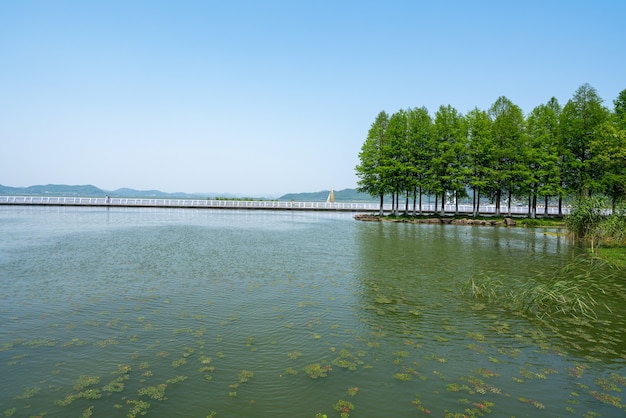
x=138, y=407
x=245, y=375
x=85, y=381
x=10, y=412
x=353, y=391
x=249, y=341
x=347, y=360
x=402, y=376
x=87, y=413
x=344, y=408
x=532, y=402
x=179, y=362
x=155, y=392
x=116, y=385
x=316, y=370
x=28, y=393
x=587, y=221
x=569, y=291
x=418, y=402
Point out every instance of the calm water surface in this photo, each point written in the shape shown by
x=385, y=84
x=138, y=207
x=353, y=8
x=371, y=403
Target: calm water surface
x=124, y=312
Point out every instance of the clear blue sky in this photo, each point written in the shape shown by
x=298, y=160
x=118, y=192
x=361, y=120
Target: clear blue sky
x=262, y=98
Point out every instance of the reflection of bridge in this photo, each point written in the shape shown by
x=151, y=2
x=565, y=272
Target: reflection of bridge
x=248, y=204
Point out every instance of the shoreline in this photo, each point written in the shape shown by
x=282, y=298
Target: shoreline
x=507, y=221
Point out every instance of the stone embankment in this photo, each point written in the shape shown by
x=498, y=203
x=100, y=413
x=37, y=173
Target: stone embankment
x=437, y=220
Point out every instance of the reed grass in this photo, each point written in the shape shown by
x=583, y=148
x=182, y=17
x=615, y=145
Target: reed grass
x=571, y=291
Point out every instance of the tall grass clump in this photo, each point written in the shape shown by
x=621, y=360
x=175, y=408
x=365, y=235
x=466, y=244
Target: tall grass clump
x=590, y=221
x=585, y=218
x=613, y=228
x=571, y=291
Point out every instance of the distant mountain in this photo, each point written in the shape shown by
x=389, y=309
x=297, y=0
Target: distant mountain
x=53, y=190
x=125, y=192
x=90, y=191
x=346, y=195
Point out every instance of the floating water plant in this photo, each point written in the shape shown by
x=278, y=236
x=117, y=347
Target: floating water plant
x=245, y=375
x=353, y=391
x=179, y=362
x=344, y=408
x=28, y=393
x=532, y=402
x=138, y=407
x=155, y=392
x=87, y=413
x=85, y=381
x=316, y=370
x=418, y=402
x=116, y=385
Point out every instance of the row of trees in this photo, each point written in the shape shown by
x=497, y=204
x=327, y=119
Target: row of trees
x=500, y=154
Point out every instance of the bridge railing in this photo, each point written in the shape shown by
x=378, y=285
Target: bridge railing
x=252, y=204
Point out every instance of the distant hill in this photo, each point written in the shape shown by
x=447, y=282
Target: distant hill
x=346, y=195
x=63, y=190
x=53, y=190
x=125, y=192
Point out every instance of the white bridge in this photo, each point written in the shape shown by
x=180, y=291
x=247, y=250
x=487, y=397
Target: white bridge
x=256, y=204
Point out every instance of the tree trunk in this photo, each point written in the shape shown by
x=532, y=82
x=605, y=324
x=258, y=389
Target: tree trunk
x=509, y=203
x=545, y=207
x=395, y=212
x=406, y=205
x=420, y=202
x=474, y=202
x=443, y=203
x=498, y=196
x=382, y=199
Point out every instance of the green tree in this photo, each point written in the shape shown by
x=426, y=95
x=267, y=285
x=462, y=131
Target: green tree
x=580, y=119
x=370, y=171
x=508, y=130
x=543, y=155
x=449, y=170
x=396, y=167
x=480, y=154
x=620, y=110
x=608, y=155
x=419, y=137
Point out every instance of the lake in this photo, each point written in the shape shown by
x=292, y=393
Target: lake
x=198, y=312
